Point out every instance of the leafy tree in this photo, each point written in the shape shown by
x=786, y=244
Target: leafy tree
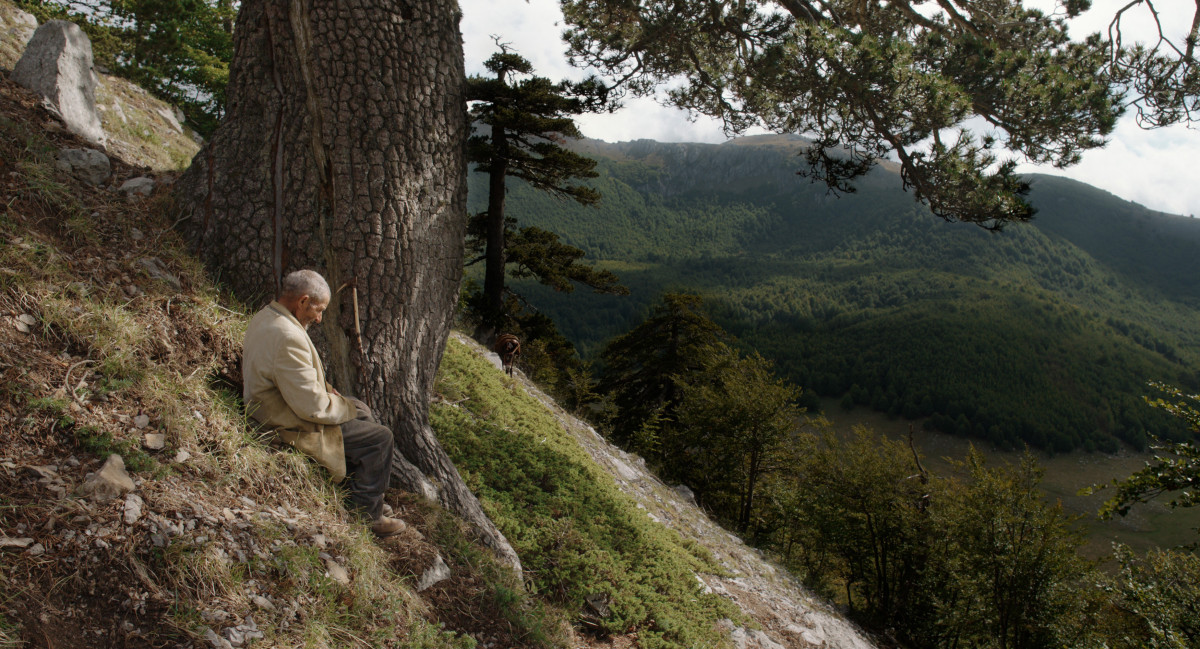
x=1156, y=600
x=528, y=118
x=739, y=418
x=1005, y=571
x=936, y=562
x=1175, y=468
x=870, y=80
x=177, y=49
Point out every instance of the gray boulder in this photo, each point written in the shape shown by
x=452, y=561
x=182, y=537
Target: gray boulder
x=88, y=165
x=141, y=186
x=57, y=64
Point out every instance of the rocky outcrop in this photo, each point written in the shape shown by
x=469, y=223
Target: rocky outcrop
x=88, y=165
x=57, y=64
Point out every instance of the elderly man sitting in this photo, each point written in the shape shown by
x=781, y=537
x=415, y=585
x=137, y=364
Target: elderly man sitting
x=285, y=390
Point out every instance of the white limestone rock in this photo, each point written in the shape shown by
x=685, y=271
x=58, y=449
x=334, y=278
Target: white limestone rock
x=57, y=64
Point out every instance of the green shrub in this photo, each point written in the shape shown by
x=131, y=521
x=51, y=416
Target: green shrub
x=577, y=534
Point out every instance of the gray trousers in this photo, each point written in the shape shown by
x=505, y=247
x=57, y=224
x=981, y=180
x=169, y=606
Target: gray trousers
x=368, y=445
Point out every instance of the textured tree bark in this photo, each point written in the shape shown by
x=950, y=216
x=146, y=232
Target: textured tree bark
x=342, y=150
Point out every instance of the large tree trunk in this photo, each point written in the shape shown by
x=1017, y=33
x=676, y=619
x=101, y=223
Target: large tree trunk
x=343, y=150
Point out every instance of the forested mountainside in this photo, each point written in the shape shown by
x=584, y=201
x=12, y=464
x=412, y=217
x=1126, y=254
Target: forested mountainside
x=1046, y=333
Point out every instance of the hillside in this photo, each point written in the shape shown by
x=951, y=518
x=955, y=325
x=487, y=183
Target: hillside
x=118, y=345
x=1044, y=334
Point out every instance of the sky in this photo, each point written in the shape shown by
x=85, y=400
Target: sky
x=1154, y=168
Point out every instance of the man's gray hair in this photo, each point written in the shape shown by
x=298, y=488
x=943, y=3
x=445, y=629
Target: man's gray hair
x=305, y=282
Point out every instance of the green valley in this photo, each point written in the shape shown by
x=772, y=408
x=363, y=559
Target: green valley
x=1044, y=334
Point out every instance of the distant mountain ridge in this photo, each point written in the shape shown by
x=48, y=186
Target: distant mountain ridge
x=1044, y=334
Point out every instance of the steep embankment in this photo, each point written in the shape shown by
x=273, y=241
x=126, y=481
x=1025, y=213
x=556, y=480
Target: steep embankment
x=556, y=470
x=117, y=345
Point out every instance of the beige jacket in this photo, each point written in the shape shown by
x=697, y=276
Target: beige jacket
x=284, y=388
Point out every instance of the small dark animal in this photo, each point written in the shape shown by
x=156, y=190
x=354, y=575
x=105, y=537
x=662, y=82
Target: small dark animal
x=509, y=349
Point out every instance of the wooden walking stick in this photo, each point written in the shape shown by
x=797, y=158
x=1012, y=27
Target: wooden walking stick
x=362, y=358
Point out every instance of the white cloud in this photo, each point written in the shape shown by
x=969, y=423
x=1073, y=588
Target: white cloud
x=1154, y=168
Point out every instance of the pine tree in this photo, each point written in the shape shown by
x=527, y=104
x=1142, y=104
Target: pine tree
x=870, y=80
x=645, y=368
x=527, y=120
x=344, y=152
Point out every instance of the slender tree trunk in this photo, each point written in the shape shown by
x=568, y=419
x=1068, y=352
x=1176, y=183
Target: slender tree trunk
x=493, y=275
x=343, y=150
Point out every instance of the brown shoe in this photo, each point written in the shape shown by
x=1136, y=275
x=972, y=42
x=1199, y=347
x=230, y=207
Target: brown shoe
x=386, y=526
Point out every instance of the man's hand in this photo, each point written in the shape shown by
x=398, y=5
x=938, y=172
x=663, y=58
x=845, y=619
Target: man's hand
x=364, y=412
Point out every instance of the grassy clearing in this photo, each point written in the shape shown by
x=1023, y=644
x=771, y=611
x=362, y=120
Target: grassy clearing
x=584, y=544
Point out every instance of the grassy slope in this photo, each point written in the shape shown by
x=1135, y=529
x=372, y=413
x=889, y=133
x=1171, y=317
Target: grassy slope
x=578, y=535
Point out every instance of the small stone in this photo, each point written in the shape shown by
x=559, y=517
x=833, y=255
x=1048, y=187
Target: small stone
x=27, y=319
x=158, y=270
x=214, y=617
x=182, y=456
x=136, y=234
x=47, y=472
x=154, y=441
x=215, y=641
x=133, y=508
x=141, y=186
x=686, y=493
x=36, y=550
x=107, y=483
x=262, y=602
x=249, y=629
x=234, y=636
x=439, y=571
x=318, y=541
x=336, y=572
x=141, y=421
